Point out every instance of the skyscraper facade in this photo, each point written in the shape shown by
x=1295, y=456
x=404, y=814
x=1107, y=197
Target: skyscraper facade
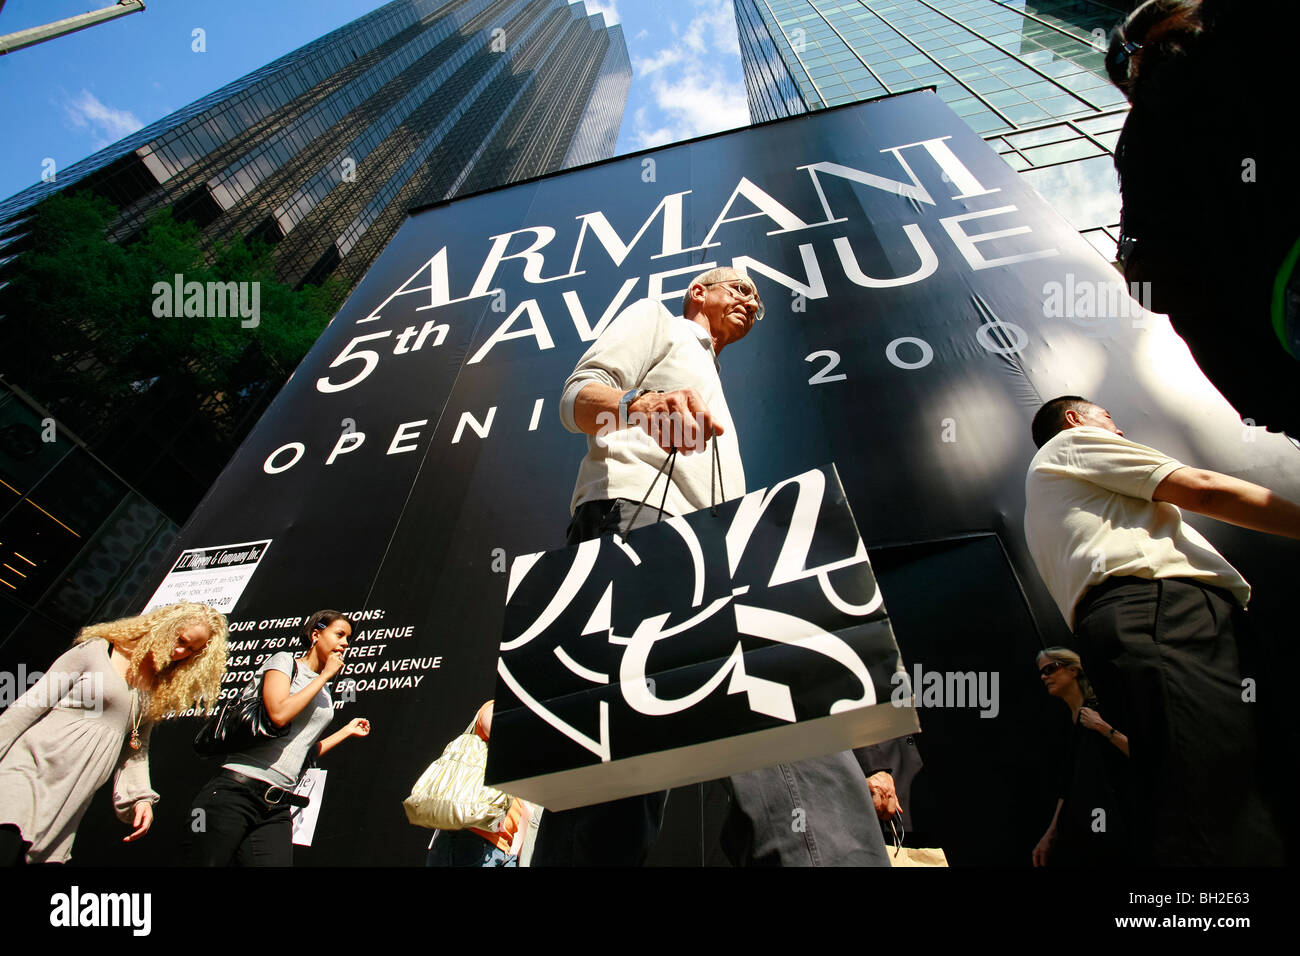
x=320, y=153
x=1027, y=75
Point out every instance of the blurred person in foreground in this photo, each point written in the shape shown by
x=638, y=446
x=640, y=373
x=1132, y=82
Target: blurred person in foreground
x=1211, y=214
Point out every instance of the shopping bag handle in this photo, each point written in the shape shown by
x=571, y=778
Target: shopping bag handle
x=716, y=469
x=716, y=486
x=670, y=462
x=899, y=833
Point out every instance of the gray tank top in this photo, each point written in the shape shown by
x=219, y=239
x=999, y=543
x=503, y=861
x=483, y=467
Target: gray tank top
x=280, y=761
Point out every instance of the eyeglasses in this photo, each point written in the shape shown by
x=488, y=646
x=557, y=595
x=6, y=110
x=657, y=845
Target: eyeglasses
x=1125, y=51
x=744, y=290
x=1051, y=668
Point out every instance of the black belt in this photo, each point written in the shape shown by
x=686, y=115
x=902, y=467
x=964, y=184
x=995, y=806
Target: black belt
x=274, y=795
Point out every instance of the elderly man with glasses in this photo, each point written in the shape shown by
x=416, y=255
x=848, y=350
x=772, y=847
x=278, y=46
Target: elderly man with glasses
x=648, y=386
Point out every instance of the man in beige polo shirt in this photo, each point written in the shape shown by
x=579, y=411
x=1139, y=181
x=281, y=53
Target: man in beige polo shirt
x=1156, y=613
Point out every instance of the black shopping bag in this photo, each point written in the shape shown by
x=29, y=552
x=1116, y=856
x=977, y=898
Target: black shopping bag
x=705, y=645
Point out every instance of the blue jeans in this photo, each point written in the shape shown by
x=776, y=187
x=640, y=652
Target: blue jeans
x=463, y=848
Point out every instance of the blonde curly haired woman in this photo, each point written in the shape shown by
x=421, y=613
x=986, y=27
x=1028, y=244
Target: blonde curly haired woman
x=89, y=718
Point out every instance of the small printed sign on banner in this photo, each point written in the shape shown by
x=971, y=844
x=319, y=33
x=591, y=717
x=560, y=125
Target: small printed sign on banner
x=215, y=576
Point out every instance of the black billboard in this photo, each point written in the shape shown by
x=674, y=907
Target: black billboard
x=921, y=303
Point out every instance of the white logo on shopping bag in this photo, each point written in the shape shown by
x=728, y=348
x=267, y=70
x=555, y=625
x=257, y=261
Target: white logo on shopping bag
x=763, y=696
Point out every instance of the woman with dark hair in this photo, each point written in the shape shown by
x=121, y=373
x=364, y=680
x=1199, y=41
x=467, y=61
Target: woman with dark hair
x=90, y=716
x=1087, y=828
x=245, y=808
x=1211, y=218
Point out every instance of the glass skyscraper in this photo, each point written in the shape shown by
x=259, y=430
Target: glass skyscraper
x=1027, y=75
x=320, y=153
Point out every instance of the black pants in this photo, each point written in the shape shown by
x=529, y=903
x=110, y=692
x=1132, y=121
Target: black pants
x=13, y=848
x=233, y=825
x=816, y=812
x=1165, y=656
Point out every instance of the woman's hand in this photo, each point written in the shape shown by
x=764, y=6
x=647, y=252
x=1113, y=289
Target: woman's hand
x=1044, y=848
x=333, y=664
x=143, y=821
x=356, y=727
x=1092, y=720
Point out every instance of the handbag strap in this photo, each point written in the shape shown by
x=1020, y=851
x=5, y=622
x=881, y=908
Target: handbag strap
x=260, y=678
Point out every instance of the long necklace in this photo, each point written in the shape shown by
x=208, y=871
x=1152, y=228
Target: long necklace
x=137, y=715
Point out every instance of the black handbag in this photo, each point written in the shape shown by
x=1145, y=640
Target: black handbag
x=240, y=724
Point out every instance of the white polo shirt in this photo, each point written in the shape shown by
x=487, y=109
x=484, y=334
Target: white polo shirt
x=646, y=346
x=1089, y=516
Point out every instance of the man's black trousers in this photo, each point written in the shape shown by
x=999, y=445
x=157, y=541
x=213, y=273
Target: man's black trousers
x=1166, y=660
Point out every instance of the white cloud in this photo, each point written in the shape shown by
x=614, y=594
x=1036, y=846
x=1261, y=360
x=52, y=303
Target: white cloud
x=694, y=38
x=689, y=81
x=608, y=7
x=668, y=56
x=693, y=102
x=713, y=27
x=105, y=124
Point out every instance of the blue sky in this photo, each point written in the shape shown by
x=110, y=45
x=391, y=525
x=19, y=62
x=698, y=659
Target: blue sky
x=67, y=98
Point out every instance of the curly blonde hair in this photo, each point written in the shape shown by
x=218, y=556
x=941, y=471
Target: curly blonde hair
x=178, y=685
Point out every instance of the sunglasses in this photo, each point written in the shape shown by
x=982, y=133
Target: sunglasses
x=1051, y=668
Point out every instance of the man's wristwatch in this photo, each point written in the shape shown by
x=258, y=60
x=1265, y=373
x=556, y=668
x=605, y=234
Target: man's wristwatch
x=628, y=398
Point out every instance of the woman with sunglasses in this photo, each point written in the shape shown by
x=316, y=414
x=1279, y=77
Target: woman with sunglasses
x=246, y=808
x=1087, y=828
x=90, y=717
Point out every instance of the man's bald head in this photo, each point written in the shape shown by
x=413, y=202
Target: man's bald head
x=706, y=279
x=725, y=302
